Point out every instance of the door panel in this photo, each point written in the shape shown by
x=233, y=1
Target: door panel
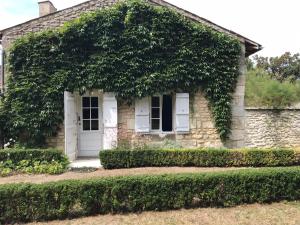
x=90, y=126
x=70, y=125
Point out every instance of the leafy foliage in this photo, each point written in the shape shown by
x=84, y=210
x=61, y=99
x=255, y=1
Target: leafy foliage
x=57, y=200
x=284, y=67
x=32, y=161
x=133, y=49
x=264, y=91
x=209, y=157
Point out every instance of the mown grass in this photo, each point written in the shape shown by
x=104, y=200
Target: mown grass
x=263, y=91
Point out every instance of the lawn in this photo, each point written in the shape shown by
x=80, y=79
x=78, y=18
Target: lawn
x=283, y=213
x=82, y=174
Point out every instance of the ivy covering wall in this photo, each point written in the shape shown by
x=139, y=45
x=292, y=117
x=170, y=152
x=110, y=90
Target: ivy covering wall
x=133, y=49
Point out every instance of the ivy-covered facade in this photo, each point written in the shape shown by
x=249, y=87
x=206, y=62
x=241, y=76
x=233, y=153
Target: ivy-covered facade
x=133, y=73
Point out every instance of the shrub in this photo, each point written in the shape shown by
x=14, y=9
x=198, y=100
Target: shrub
x=210, y=157
x=57, y=200
x=32, y=161
x=263, y=91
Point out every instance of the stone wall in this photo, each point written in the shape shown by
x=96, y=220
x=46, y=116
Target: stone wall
x=202, y=131
x=272, y=128
x=57, y=141
x=237, y=136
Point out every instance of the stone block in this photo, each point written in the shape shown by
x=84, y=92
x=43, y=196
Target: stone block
x=207, y=124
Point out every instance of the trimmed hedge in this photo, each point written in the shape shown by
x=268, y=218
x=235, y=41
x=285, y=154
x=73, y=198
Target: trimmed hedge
x=210, y=157
x=57, y=200
x=16, y=155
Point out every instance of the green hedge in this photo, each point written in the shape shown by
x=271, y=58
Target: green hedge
x=17, y=155
x=32, y=161
x=111, y=159
x=57, y=200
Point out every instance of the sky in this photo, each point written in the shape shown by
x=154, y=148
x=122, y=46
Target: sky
x=274, y=24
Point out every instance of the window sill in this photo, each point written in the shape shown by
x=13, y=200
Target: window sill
x=163, y=133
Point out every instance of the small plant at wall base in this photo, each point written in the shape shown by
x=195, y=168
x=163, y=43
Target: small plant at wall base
x=133, y=49
x=49, y=161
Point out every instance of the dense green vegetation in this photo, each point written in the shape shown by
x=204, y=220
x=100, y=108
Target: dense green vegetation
x=285, y=67
x=133, y=49
x=124, y=158
x=56, y=200
x=263, y=90
x=50, y=161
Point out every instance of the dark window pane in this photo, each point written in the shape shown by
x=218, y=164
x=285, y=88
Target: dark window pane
x=155, y=101
x=94, y=101
x=155, y=113
x=155, y=124
x=85, y=101
x=95, y=125
x=86, y=124
x=94, y=113
x=167, y=113
x=85, y=113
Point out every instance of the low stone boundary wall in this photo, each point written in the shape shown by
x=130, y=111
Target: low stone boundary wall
x=272, y=127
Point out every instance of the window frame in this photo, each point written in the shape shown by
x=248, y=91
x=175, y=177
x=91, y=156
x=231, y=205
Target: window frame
x=90, y=109
x=160, y=131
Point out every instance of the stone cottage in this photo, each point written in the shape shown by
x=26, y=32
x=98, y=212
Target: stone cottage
x=95, y=120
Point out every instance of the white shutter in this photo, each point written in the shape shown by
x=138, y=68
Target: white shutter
x=142, y=115
x=70, y=125
x=110, y=121
x=182, y=112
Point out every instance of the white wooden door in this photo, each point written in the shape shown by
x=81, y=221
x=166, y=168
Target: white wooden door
x=90, y=125
x=70, y=125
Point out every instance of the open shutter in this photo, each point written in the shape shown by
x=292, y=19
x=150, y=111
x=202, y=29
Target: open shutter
x=142, y=115
x=70, y=125
x=182, y=112
x=110, y=121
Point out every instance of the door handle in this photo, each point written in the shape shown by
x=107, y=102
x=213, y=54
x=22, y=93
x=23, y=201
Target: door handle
x=78, y=120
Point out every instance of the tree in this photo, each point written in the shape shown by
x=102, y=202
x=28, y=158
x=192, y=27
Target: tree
x=284, y=67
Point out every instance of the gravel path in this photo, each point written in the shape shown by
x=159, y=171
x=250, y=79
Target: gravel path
x=42, y=178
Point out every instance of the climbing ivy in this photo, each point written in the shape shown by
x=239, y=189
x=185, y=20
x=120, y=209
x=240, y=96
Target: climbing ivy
x=133, y=49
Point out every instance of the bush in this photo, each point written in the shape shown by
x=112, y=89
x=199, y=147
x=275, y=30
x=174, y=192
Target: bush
x=32, y=161
x=57, y=200
x=263, y=91
x=210, y=157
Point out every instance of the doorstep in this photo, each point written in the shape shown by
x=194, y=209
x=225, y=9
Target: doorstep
x=86, y=163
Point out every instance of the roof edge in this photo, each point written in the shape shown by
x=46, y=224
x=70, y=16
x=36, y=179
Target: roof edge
x=251, y=46
x=40, y=17
x=255, y=46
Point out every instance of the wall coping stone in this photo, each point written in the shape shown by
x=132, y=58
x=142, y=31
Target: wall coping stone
x=271, y=108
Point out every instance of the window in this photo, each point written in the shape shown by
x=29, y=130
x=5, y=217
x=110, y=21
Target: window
x=161, y=113
x=90, y=113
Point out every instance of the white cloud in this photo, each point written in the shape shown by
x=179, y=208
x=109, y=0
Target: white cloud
x=274, y=24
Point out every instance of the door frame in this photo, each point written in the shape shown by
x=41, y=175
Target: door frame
x=92, y=93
